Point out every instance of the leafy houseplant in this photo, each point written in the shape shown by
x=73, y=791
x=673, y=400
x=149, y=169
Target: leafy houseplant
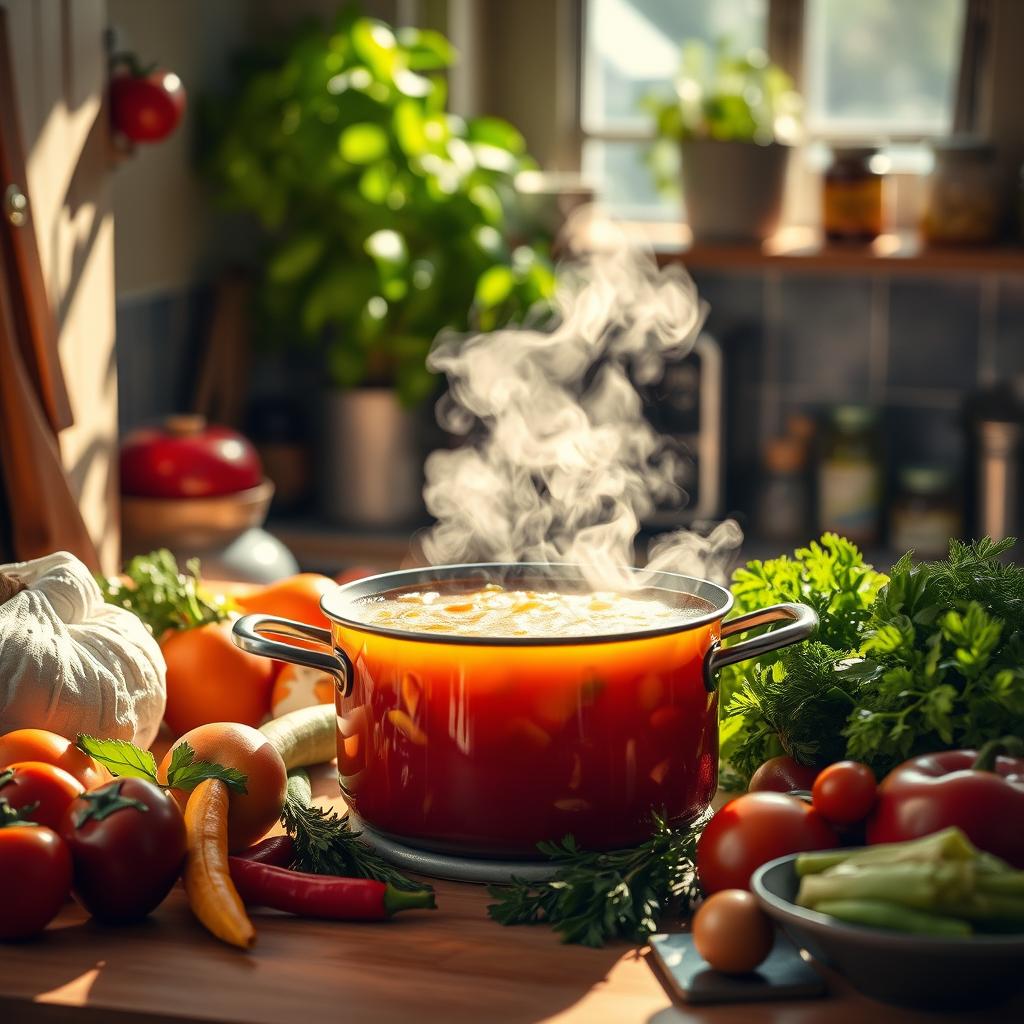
x=731, y=119
x=383, y=214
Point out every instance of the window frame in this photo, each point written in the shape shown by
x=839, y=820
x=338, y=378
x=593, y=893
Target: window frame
x=786, y=34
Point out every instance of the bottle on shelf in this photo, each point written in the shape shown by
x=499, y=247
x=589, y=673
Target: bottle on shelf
x=850, y=475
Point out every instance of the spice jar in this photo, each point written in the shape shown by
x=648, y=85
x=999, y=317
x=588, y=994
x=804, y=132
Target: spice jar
x=852, y=196
x=784, y=497
x=850, y=475
x=926, y=512
x=963, y=194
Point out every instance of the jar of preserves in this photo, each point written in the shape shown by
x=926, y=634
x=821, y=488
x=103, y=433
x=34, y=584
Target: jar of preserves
x=852, y=195
x=926, y=512
x=963, y=194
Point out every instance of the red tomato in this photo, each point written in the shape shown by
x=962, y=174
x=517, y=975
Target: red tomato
x=127, y=839
x=50, y=788
x=781, y=775
x=146, y=107
x=844, y=792
x=752, y=830
x=51, y=748
x=36, y=868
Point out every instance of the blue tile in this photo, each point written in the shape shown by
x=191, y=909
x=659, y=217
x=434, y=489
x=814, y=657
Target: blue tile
x=933, y=333
x=823, y=336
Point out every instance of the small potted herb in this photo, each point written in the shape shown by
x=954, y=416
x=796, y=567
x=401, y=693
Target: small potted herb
x=383, y=222
x=730, y=121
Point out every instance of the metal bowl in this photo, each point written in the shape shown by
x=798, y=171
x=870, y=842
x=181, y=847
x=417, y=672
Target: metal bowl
x=910, y=970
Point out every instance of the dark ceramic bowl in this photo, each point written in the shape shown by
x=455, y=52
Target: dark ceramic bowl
x=910, y=970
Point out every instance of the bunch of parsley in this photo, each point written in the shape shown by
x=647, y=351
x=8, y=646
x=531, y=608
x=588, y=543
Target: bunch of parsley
x=928, y=659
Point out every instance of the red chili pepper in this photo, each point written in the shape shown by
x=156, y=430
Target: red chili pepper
x=980, y=792
x=339, y=899
x=276, y=850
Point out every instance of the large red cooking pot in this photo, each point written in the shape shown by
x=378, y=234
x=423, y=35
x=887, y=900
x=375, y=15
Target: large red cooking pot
x=484, y=746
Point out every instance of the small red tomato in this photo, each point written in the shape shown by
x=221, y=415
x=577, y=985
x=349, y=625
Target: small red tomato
x=51, y=748
x=752, y=830
x=844, y=793
x=732, y=932
x=50, y=788
x=128, y=843
x=36, y=868
x=781, y=775
x=146, y=107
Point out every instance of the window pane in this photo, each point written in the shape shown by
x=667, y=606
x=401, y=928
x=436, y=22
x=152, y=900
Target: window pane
x=632, y=47
x=624, y=181
x=882, y=65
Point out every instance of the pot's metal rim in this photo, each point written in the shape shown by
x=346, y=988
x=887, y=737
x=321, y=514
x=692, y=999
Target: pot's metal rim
x=345, y=595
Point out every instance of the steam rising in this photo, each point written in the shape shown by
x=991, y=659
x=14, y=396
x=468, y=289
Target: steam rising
x=559, y=463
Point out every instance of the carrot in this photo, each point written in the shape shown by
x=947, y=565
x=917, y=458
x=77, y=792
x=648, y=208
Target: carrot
x=304, y=737
x=211, y=893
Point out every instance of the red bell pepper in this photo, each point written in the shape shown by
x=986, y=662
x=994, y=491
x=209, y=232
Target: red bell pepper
x=981, y=792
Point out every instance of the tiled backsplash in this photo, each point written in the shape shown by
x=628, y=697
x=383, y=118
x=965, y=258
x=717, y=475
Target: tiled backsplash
x=914, y=347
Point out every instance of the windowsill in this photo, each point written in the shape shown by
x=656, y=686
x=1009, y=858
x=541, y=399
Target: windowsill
x=805, y=249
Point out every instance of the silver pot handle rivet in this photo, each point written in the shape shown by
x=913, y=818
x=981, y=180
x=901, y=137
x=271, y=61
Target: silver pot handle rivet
x=15, y=205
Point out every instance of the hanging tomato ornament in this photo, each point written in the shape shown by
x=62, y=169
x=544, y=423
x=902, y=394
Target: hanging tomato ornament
x=146, y=104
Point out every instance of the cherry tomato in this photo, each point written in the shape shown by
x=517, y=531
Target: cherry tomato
x=752, y=830
x=127, y=839
x=732, y=932
x=146, y=107
x=36, y=867
x=51, y=748
x=781, y=775
x=50, y=788
x=844, y=793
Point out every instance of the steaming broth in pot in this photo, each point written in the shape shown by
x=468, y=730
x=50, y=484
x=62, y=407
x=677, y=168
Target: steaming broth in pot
x=494, y=611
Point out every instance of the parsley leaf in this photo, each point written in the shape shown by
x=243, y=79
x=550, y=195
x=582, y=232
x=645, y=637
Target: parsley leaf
x=120, y=757
x=161, y=595
x=126, y=760
x=185, y=772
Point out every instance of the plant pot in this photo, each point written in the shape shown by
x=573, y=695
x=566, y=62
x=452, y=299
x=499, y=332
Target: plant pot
x=733, y=191
x=372, y=460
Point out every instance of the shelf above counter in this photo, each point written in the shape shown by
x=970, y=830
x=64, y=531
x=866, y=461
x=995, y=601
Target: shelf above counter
x=804, y=250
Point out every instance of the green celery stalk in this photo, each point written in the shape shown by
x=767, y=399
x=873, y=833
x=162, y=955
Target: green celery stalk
x=908, y=884
x=880, y=914
x=948, y=845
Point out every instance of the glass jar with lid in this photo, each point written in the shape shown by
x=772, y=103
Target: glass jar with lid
x=852, y=195
x=963, y=204
x=926, y=512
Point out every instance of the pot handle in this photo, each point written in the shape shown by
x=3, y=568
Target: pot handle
x=800, y=620
x=248, y=633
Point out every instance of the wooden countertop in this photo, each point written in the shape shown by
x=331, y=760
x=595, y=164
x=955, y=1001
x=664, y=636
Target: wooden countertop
x=452, y=965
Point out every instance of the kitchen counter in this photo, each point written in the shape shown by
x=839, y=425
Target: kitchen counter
x=452, y=965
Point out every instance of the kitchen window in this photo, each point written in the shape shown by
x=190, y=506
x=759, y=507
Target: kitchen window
x=872, y=70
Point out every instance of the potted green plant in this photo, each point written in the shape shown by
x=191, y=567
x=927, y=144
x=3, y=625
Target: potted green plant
x=383, y=222
x=730, y=122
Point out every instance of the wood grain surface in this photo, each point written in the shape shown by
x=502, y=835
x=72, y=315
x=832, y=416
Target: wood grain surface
x=452, y=965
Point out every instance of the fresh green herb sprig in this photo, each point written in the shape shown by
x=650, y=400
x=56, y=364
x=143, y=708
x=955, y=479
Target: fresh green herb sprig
x=326, y=844
x=931, y=660
x=595, y=898
x=161, y=595
x=126, y=760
